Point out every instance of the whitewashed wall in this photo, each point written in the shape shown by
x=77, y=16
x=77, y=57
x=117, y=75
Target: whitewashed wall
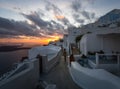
x=49, y=64
x=111, y=43
x=65, y=41
x=26, y=79
x=93, y=79
x=93, y=42
x=73, y=33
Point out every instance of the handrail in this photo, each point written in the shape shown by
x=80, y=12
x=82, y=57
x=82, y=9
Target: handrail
x=105, y=55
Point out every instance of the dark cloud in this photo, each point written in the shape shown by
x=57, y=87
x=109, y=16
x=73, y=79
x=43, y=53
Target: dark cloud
x=41, y=12
x=76, y=5
x=50, y=6
x=65, y=21
x=5, y=23
x=56, y=25
x=78, y=10
x=4, y=31
x=88, y=15
x=80, y=21
x=90, y=1
x=76, y=15
x=57, y=12
x=17, y=8
x=47, y=27
x=93, y=15
x=34, y=17
x=11, y=28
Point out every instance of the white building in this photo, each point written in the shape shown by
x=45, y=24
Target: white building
x=97, y=75
x=69, y=39
x=72, y=34
x=107, y=40
x=65, y=41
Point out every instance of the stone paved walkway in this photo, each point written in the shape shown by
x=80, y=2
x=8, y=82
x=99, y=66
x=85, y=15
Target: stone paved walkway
x=60, y=76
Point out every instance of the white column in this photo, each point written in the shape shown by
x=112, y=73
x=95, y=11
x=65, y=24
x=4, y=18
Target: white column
x=102, y=38
x=97, y=59
x=118, y=58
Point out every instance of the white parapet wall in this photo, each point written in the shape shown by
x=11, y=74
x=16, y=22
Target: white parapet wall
x=26, y=79
x=50, y=56
x=93, y=78
x=112, y=67
x=43, y=51
x=49, y=64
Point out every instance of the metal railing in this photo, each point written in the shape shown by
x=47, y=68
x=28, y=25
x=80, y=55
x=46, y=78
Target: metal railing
x=107, y=57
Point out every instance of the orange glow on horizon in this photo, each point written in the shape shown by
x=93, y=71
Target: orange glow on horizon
x=30, y=40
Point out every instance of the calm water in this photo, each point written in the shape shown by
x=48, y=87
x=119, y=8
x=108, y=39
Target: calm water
x=7, y=59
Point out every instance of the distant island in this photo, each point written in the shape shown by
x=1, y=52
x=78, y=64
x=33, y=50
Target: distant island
x=12, y=48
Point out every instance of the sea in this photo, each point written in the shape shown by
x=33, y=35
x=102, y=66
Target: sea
x=7, y=59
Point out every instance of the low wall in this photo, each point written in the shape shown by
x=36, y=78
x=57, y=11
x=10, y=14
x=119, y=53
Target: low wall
x=93, y=78
x=108, y=67
x=26, y=79
x=47, y=65
x=92, y=64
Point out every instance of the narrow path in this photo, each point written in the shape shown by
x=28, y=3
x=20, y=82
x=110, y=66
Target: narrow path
x=76, y=51
x=60, y=76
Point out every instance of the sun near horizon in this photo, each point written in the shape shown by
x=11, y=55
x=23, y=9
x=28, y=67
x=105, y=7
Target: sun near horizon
x=30, y=40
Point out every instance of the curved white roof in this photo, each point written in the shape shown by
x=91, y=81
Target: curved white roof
x=43, y=50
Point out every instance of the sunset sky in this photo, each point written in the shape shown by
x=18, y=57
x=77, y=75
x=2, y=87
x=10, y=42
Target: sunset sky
x=41, y=21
